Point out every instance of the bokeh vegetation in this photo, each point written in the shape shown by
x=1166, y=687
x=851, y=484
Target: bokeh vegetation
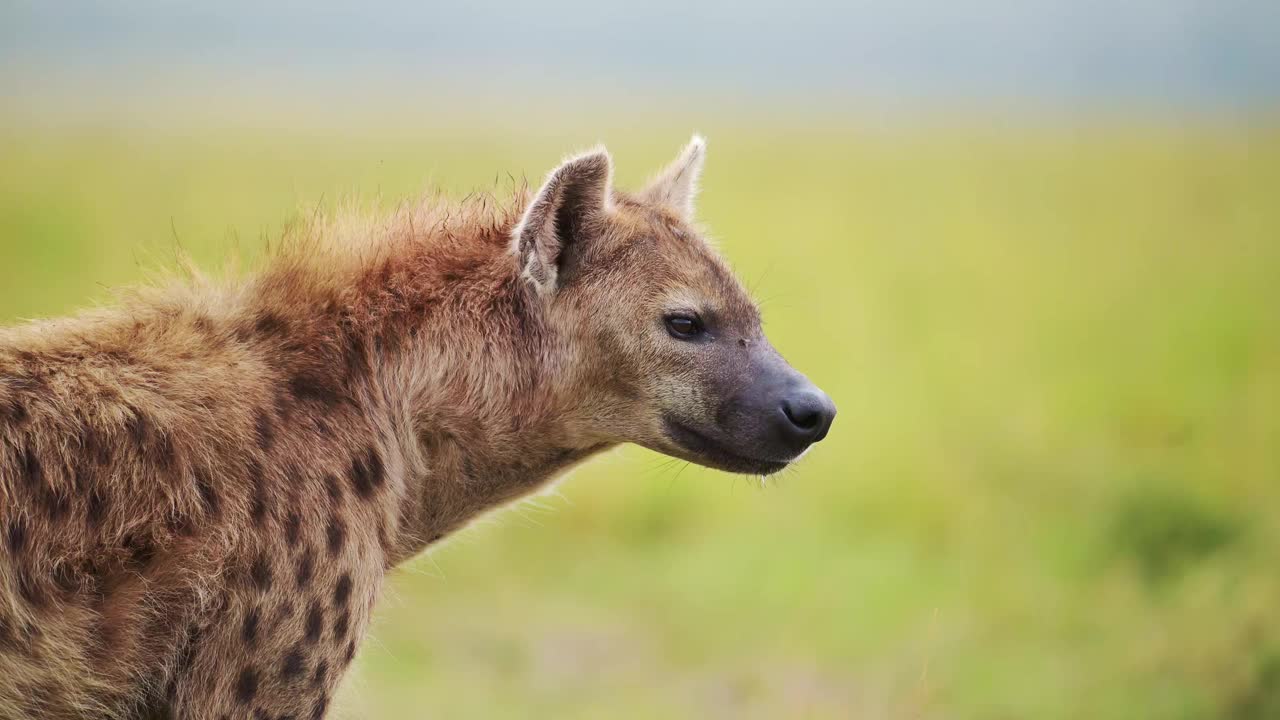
x=1052, y=490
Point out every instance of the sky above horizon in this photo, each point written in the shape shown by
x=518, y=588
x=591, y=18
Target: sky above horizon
x=1171, y=54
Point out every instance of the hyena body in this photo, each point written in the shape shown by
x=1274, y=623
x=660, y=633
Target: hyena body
x=201, y=491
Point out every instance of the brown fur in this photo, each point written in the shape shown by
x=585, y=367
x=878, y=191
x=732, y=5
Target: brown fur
x=201, y=490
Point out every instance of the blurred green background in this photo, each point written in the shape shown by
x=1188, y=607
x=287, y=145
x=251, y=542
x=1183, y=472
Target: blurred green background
x=1054, y=338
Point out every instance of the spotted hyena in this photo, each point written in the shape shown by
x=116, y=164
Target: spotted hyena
x=202, y=490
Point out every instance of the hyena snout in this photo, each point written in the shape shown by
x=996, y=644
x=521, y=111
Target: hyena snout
x=769, y=416
x=798, y=413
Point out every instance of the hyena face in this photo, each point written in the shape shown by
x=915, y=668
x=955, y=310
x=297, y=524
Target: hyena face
x=668, y=347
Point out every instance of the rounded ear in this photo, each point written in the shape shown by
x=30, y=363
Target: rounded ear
x=677, y=185
x=571, y=205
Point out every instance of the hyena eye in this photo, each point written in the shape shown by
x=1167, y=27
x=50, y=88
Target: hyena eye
x=684, y=327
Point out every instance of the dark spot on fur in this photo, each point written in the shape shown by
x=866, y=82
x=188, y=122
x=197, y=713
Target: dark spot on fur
x=246, y=685
x=249, y=630
x=291, y=527
x=165, y=454
x=97, y=507
x=80, y=477
x=312, y=388
x=321, y=674
x=208, y=495
x=341, y=626
x=315, y=622
x=56, y=505
x=260, y=573
x=15, y=411
x=367, y=473
x=293, y=665
x=94, y=450
x=342, y=590
x=149, y=440
x=17, y=536
x=139, y=427
x=32, y=471
x=270, y=324
x=377, y=473
x=335, y=490
x=337, y=536
x=356, y=352
x=349, y=654
x=258, y=511
x=360, y=478
x=7, y=640
x=264, y=430
x=468, y=468
x=317, y=713
x=306, y=568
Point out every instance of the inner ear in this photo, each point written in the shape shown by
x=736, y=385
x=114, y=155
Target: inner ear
x=567, y=212
x=572, y=217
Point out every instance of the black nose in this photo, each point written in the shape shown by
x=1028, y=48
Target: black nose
x=807, y=416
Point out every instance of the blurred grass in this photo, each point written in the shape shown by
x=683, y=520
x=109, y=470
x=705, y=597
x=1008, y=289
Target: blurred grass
x=1051, y=492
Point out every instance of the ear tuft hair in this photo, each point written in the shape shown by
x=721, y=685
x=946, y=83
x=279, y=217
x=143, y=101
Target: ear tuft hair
x=677, y=185
x=566, y=210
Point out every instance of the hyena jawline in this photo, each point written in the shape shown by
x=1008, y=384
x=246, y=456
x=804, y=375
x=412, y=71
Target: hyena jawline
x=201, y=491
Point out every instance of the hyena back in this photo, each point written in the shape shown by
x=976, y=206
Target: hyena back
x=201, y=490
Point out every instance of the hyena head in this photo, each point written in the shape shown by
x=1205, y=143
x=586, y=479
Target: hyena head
x=666, y=346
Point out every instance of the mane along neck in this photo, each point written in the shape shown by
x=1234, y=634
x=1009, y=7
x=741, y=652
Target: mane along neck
x=476, y=386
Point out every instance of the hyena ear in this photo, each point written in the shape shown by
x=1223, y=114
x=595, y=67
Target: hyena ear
x=571, y=205
x=677, y=185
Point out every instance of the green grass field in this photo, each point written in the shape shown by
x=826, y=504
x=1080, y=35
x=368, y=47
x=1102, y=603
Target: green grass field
x=1053, y=490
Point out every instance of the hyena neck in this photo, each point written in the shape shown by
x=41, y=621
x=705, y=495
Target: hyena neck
x=481, y=399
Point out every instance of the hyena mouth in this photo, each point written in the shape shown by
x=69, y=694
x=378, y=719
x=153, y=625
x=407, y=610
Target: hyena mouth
x=706, y=450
